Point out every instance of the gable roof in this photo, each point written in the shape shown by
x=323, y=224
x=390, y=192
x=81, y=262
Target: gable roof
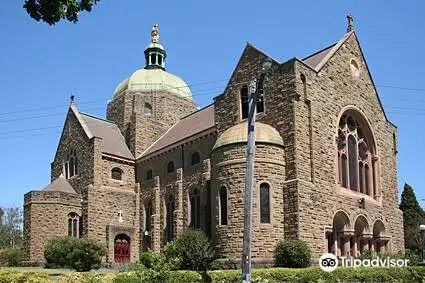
x=60, y=185
x=188, y=126
x=112, y=140
x=318, y=59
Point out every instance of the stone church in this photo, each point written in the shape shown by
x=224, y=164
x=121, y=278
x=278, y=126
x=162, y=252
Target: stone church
x=325, y=162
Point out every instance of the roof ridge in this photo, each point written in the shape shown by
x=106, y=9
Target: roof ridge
x=98, y=118
x=194, y=112
x=320, y=51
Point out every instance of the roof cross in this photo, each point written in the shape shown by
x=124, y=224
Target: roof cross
x=350, y=20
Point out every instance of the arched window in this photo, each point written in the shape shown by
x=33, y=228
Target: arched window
x=244, y=102
x=116, y=174
x=170, y=218
x=149, y=174
x=73, y=225
x=223, y=205
x=148, y=109
x=71, y=164
x=170, y=167
x=195, y=209
x=148, y=216
x=264, y=203
x=196, y=158
x=153, y=59
x=260, y=101
x=355, y=154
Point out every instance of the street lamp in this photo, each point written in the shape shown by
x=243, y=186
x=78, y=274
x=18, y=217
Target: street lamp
x=422, y=228
x=254, y=89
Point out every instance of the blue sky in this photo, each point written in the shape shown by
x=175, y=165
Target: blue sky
x=42, y=65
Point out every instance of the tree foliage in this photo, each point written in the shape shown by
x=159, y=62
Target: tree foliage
x=413, y=216
x=53, y=11
x=11, y=228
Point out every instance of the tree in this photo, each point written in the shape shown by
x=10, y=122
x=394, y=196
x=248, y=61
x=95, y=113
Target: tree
x=11, y=228
x=413, y=216
x=53, y=11
x=1, y=215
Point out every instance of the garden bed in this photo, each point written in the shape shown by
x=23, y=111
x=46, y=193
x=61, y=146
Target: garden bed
x=270, y=275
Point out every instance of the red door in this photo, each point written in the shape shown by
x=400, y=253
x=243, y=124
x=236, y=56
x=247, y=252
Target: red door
x=122, y=249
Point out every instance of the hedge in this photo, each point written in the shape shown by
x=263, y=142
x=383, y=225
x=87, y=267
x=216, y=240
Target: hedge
x=272, y=275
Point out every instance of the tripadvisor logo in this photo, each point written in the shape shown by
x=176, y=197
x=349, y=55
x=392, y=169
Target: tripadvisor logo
x=329, y=262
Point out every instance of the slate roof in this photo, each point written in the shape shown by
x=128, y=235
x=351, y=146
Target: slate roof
x=314, y=59
x=318, y=59
x=188, y=126
x=112, y=140
x=60, y=185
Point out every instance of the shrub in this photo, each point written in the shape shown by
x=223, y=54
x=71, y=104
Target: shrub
x=12, y=257
x=292, y=253
x=368, y=255
x=159, y=272
x=413, y=257
x=85, y=255
x=57, y=250
x=79, y=254
x=194, y=250
x=147, y=258
x=19, y=277
x=224, y=264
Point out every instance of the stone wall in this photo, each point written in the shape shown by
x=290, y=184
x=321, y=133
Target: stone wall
x=46, y=216
x=178, y=184
x=228, y=169
x=327, y=93
x=141, y=130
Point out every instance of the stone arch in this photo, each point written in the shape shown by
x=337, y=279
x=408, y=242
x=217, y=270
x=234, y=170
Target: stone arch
x=378, y=228
x=380, y=239
x=361, y=224
x=338, y=238
x=341, y=221
x=361, y=116
x=362, y=235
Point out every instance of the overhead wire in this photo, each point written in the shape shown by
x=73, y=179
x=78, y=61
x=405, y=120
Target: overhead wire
x=203, y=92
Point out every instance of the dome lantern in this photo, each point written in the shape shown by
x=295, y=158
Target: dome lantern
x=155, y=53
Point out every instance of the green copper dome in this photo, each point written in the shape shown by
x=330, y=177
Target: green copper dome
x=154, y=78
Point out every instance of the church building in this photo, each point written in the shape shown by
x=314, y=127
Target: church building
x=325, y=162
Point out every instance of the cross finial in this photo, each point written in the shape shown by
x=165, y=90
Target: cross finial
x=72, y=98
x=350, y=20
x=155, y=33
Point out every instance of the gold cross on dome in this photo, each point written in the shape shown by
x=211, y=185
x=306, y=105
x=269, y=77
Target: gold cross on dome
x=155, y=33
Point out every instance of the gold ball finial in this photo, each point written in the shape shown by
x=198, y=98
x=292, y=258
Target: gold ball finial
x=155, y=33
x=350, y=20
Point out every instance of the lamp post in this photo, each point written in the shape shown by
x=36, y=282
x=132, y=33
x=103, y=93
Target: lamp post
x=422, y=228
x=254, y=89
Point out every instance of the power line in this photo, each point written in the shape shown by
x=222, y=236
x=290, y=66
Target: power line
x=198, y=93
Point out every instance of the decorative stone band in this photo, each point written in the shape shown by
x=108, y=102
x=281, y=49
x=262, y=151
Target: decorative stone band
x=347, y=234
x=366, y=236
x=382, y=239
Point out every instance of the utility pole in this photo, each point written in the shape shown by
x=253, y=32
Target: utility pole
x=254, y=90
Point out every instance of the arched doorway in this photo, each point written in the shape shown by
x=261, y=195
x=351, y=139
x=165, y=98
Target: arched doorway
x=122, y=248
